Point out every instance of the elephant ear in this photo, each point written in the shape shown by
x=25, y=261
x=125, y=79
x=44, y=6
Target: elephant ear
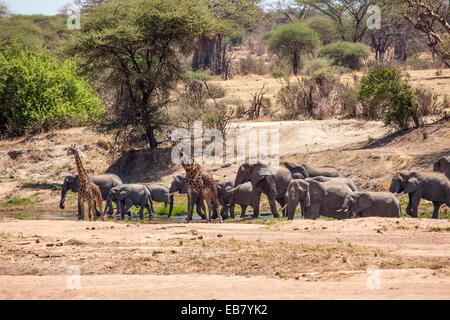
x=259, y=173
x=317, y=191
x=365, y=200
x=412, y=184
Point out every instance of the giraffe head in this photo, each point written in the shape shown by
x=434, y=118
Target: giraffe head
x=72, y=150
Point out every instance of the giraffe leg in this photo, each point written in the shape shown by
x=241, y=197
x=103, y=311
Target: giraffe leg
x=81, y=202
x=89, y=209
x=190, y=205
x=208, y=218
x=100, y=206
x=216, y=203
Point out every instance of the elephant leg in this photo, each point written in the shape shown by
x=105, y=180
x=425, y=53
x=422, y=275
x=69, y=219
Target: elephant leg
x=141, y=211
x=282, y=202
x=243, y=208
x=436, y=206
x=232, y=211
x=96, y=212
x=408, y=207
x=256, y=199
x=273, y=207
x=415, y=200
x=198, y=206
x=312, y=212
x=127, y=207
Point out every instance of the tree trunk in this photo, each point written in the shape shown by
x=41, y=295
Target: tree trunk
x=400, y=53
x=149, y=130
x=295, y=62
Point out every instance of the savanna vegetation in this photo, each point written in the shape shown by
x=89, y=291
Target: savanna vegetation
x=137, y=69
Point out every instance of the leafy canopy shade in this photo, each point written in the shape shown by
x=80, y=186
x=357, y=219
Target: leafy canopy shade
x=291, y=41
x=134, y=46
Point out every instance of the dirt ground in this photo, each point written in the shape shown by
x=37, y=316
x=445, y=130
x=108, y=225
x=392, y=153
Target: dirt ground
x=277, y=260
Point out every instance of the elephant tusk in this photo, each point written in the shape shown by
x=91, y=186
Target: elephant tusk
x=171, y=194
x=346, y=210
x=284, y=207
x=339, y=211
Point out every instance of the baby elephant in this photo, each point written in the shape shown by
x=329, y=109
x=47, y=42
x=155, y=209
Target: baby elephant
x=160, y=194
x=371, y=204
x=128, y=195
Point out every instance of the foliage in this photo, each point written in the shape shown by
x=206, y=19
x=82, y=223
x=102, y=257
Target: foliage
x=134, y=47
x=387, y=90
x=36, y=31
x=349, y=15
x=325, y=28
x=40, y=92
x=345, y=54
x=291, y=41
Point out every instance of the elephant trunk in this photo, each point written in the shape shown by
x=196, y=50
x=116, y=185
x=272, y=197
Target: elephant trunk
x=173, y=189
x=63, y=194
x=293, y=200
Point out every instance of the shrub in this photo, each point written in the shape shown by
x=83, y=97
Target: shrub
x=345, y=54
x=39, y=92
x=388, y=90
x=427, y=103
x=250, y=65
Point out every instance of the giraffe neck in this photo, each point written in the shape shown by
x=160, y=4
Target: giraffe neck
x=81, y=172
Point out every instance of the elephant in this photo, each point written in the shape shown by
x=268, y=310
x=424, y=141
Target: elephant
x=105, y=181
x=243, y=197
x=178, y=185
x=432, y=186
x=128, y=195
x=443, y=165
x=347, y=181
x=304, y=170
x=316, y=198
x=271, y=181
x=371, y=204
x=159, y=194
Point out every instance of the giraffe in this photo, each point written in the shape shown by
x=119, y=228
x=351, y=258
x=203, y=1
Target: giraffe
x=87, y=191
x=201, y=183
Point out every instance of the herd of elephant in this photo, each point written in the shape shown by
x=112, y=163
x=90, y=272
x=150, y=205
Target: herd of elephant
x=320, y=191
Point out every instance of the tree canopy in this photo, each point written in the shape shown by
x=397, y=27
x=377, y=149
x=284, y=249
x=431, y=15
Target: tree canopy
x=134, y=47
x=291, y=41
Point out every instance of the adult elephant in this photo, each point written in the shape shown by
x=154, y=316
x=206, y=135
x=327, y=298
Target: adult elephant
x=371, y=204
x=443, y=165
x=178, y=185
x=273, y=182
x=432, y=186
x=243, y=197
x=347, y=181
x=316, y=198
x=105, y=181
x=128, y=195
x=304, y=170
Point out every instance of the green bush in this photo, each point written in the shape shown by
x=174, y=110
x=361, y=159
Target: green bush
x=387, y=90
x=39, y=92
x=345, y=54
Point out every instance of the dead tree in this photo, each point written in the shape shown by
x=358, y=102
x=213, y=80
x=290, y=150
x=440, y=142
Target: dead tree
x=258, y=104
x=426, y=18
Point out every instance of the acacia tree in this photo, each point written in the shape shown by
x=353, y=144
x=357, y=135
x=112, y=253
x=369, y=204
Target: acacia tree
x=291, y=41
x=341, y=11
x=133, y=46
